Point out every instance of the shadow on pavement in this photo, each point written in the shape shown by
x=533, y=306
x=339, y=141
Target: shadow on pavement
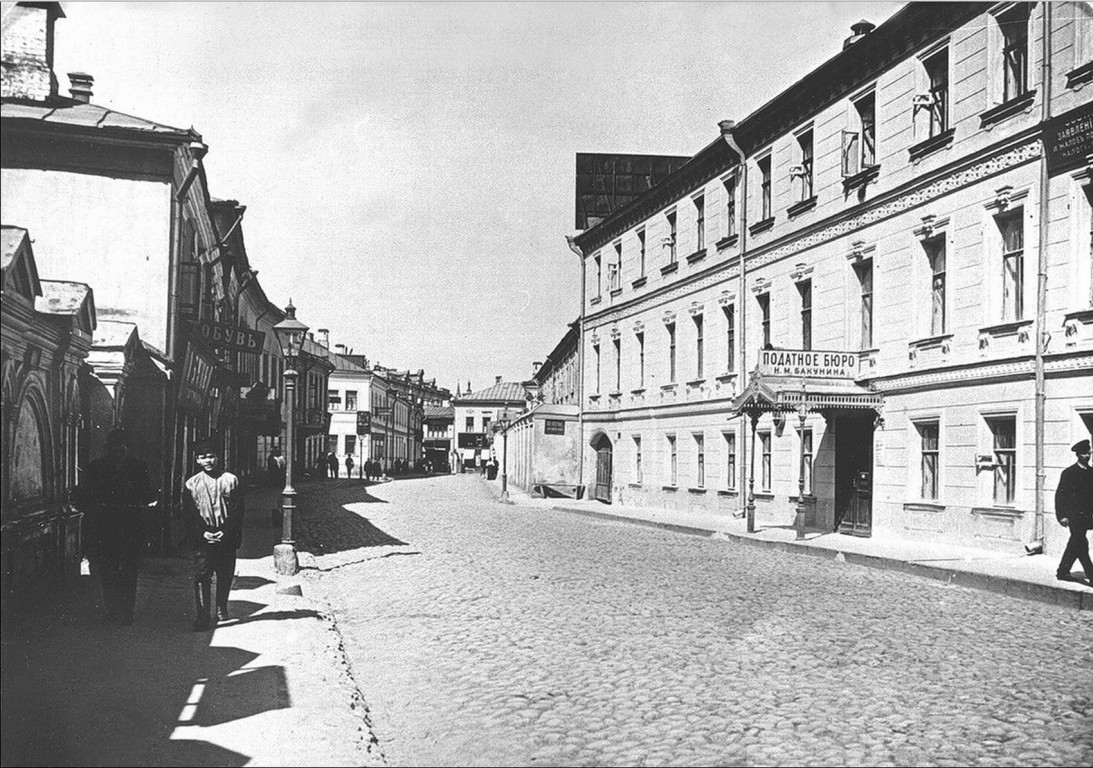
x=302, y=613
x=328, y=522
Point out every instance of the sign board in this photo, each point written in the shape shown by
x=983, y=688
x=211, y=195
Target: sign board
x=1068, y=139
x=364, y=423
x=382, y=410
x=472, y=440
x=554, y=427
x=196, y=380
x=808, y=364
x=229, y=337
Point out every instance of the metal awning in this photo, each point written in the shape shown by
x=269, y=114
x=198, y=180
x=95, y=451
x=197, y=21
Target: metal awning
x=769, y=394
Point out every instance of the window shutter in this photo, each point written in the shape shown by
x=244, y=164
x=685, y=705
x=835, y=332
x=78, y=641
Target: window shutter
x=850, y=153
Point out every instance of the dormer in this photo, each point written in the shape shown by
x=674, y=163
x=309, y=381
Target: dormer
x=68, y=299
x=19, y=270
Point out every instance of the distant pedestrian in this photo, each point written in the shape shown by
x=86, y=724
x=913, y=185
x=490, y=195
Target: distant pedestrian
x=275, y=465
x=1074, y=509
x=214, y=508
x=332, y=464
x=114, y=496
x=349, y=467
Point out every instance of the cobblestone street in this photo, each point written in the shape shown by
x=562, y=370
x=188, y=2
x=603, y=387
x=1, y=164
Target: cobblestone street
x=488, y=634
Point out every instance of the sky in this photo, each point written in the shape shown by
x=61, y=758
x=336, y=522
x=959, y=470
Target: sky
x=409, y=168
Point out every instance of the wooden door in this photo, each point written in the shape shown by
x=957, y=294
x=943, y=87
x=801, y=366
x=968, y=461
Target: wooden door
x=854, y=475
x=602, y=488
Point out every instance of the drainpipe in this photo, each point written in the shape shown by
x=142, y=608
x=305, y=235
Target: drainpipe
x=580, y=365
x=727, y=131
x=1036, y=546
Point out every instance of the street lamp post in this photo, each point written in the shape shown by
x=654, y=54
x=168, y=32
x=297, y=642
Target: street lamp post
x=290, y=336
x=503, y=426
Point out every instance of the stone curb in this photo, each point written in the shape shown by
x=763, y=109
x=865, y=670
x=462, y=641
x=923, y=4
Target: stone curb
x=1044, y=593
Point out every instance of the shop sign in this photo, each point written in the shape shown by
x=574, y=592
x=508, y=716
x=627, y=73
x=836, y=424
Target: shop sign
x=229, y=337
x=810, y=364
x=196, y=380
x=472, y=440
x=554, y=427
x=364, y=423
x=1068, y=139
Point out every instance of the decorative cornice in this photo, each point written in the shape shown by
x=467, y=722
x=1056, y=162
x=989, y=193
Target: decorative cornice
x=931, y=225
x=1023, y=367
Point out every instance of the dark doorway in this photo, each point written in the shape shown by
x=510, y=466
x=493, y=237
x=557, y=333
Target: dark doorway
x=601, y=490
x=854, y=474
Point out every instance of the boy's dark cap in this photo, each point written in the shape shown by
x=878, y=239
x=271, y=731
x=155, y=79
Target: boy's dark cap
x=1082, y=446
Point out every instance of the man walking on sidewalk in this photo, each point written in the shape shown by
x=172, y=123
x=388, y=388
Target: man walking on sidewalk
x=1074, y=508
x=214, y=506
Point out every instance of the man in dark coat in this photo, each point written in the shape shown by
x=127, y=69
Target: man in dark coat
x=114, y=495
x=1074, y=509
x=213, y=501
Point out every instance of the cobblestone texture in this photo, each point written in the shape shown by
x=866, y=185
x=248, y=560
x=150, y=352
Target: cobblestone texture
x=488, y=634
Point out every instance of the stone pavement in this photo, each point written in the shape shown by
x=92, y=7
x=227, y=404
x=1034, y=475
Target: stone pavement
x=272, y=687
x=1024, y=576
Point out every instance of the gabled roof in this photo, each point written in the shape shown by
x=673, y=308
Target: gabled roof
x=343, y=363
x=113, y=334
x=62, y=297
x=439, y=412
x=81, y=116
x=15, y=242
x=501, y=392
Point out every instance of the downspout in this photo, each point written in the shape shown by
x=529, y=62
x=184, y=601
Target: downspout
x=571, y=242
x=1036, y=546
x=727, y=131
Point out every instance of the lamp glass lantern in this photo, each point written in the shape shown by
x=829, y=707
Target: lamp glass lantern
x=290, y=334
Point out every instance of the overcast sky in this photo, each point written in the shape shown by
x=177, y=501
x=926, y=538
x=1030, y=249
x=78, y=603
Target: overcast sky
x=408, y=169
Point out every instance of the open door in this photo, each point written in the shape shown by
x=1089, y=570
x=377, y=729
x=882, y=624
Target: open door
x=854, y=475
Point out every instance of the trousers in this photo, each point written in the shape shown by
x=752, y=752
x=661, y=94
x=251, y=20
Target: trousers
x=1077, y=548
x=215, y=559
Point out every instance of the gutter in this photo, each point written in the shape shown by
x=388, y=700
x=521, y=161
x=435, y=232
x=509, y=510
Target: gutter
x=572, y=243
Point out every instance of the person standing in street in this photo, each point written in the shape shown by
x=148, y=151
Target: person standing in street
x=332, y=465
x=349, y=467
x=275, y=465
x=1074, y=509
x=114, y=496
x=213, y=501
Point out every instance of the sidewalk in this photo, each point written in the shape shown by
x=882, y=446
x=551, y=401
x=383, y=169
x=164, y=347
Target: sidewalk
x=272, y=687
x=1028, y=577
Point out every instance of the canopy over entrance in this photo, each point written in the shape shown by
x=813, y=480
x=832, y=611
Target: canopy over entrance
x=772, y=394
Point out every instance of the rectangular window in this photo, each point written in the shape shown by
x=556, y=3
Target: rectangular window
x=641, y=359
x=764, y=453
x=599, y=275
x=935, y=253
x=350, y=400
x=730, y=338
x=730, y=206
x=332, y=397
x=764, y=314
x=928, y=434
x=637, y=459
x=672, y=237
x=805, y=289
x=1004, y=432
x=700, y=455
x=700, y=211
x=700, y=343
x=866, y=107
x=764, y=172
x=1011, y=226
x=469, y=424
x=671, y=352
x=641, y=251
x=1014, y=24
x=486, y=423
x=350, y=445
x=618, y=364
x=596, y=354
x=806, y=460
x=672, y=458
x=616, y=268
x=730, y=460
x=865, y=285
x=937, y=72
x=803, y=171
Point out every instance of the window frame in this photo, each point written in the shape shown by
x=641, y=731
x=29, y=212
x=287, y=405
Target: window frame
x=804, y=290
x=730, y=460
x=700, y=459
x=766, y=463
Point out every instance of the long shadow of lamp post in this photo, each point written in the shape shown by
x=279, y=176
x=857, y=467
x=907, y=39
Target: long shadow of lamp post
x=290, y=335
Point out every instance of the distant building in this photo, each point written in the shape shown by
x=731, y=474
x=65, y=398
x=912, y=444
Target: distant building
x=476, y=413
x=439, y=434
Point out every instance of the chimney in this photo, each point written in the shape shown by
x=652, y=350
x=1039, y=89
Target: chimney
x=726, y=126
x=80, y=88
x=858, y=30
x=340, y=349
x=496, y=379
x=28, y=51
x=324, y=337
x=535, y=368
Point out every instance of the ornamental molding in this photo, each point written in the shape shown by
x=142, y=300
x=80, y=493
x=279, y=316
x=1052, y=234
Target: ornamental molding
x=981, y=373
x=801, y=272
x=726, y=298
x=639, y=327
x=615, y=333
x=860, y=251
x=668, y=318
x=1005, y=198
x=761, y=285
x=695, y=309
x=931, y=225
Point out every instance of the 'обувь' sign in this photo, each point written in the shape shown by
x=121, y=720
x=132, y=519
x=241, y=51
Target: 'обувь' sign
x=812, y=364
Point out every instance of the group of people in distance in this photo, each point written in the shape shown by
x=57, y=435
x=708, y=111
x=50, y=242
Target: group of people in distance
x=115, y=496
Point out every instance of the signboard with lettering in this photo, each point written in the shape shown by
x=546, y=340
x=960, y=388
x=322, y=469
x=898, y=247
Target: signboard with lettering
x=229, y=337
x=808, y=364
x=364, y=422
x=196, y=379
x=1068, y=139
x=554, y=427
x=472, y=440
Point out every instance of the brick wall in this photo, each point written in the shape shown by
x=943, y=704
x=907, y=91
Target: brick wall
x=28, y=53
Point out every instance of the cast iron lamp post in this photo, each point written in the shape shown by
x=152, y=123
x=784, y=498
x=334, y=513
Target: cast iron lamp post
x=290, y=336
x=503, y=426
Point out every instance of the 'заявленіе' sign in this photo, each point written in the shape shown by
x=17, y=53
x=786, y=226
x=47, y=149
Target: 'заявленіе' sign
x=808, y=363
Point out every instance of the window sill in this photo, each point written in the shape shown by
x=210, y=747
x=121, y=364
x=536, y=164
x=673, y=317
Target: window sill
x=641, y=281
x=666, y=387
x=595, y=300
x=861, y=179
x=638, y=391
x=1008, y=513
x=1007, y=109
x=727, y=242
x=727, y=376
x=672, y=488
x=728, y=493
x=696, y=490
x=616, y=292
x=696, y=382
x=1006, y=329
x=923, y=506
x=931, y=145
x=1076, y=78
x=798, y=208
x=698, y=255
x=764, y=495
x=761, y=226
x=931, y=342
x=1081, y=316
x=633, y=485
x=594, y=398
x=614, y=395
x=668, y=269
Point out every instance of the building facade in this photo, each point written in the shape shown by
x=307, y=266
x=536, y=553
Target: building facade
x=833, y=310
x=476, y=414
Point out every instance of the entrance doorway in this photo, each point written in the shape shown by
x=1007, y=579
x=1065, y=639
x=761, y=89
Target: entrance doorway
x=854, y=474
x=601, y=489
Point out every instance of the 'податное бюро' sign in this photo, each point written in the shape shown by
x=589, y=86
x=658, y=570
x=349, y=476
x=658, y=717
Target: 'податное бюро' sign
x=808, y=363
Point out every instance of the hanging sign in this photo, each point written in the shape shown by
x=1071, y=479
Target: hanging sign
x=196, y=380
x=364, y=423
x=229, y=337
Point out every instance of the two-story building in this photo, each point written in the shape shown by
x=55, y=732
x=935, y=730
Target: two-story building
x=868, y=302
x=476, y=414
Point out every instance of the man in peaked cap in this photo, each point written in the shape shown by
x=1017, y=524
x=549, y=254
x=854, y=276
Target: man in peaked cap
x=1074, y=509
